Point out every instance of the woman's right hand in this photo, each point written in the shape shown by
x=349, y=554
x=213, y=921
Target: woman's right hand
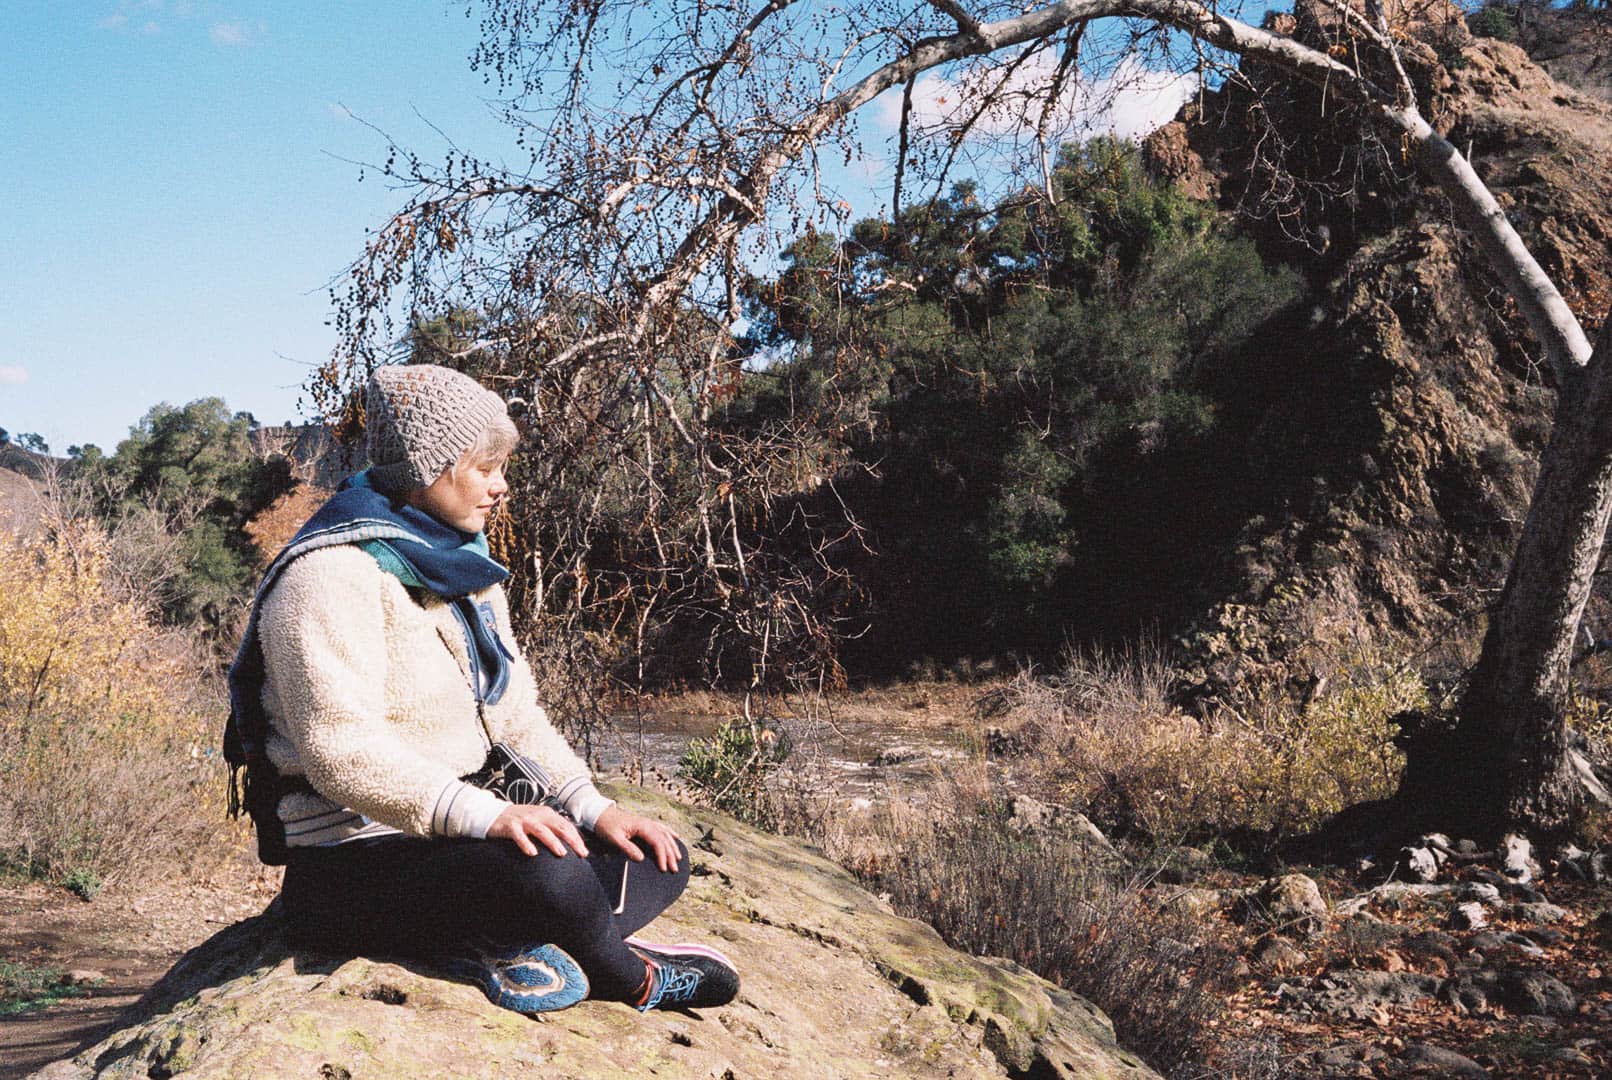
x=520, y=822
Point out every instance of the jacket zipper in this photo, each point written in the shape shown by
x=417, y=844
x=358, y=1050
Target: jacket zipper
x=472, y=677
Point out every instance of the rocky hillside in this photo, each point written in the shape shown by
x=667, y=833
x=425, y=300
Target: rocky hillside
x=835, y=986
x=1381, y=457
x=21, y=502
x=1573, y=44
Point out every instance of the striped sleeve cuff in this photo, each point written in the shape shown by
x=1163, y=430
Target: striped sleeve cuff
x=465, y=810
x=583, y=801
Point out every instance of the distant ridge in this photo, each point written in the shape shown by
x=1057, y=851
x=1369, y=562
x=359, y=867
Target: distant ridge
x=21, y=502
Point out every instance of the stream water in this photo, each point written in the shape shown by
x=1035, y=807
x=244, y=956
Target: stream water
x=861, y=756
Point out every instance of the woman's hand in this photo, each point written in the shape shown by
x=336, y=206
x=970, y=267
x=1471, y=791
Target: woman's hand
x=520, y=822
x=621, y=828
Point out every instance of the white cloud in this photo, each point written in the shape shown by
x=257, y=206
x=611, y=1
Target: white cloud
x=1130, y=101
x=228, y=33
x=13, y=375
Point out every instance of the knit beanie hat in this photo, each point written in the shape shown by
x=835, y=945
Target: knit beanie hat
x=419, y=419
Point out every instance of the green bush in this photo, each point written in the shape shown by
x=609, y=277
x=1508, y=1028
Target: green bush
x=729, y=768
x=1010, y=365
x=189, y=472
x=1492, y=21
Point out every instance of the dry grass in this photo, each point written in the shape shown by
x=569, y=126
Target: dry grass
x=1103, y=735
x=107, y=724
x=958, y=863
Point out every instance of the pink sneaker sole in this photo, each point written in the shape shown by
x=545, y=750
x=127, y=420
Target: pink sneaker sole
x=682, y=949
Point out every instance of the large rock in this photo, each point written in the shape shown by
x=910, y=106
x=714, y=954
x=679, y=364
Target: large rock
x=834, y=986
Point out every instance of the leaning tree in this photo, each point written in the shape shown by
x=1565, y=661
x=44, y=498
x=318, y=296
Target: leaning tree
x=662, y=145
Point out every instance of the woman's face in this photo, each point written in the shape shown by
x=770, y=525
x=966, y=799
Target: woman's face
x=465, y=495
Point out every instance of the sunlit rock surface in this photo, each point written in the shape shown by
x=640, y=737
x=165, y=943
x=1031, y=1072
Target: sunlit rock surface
x=834, y=985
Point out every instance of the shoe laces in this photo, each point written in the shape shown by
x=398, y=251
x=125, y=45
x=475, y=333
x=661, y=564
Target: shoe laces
x=674, y=983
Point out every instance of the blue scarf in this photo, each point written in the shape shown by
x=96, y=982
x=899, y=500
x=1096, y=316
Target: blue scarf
x=411, y=545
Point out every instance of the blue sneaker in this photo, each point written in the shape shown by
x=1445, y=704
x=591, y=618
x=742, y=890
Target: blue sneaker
x=534, y=980
x=686, y=976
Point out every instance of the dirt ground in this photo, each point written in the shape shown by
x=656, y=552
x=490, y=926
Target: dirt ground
x=130, y=936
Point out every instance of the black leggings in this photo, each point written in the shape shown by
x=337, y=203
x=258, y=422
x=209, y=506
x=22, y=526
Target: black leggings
x=432, y=898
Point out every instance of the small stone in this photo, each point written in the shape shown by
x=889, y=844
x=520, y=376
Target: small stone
x=1289, y=903
x=1363, y=995
x=1468, y=916
x=83, y=977
x=1280, y=956
x=1389, y=960
x=895, y=755
x=1346, y=1059
x=1541, y=912
x=1571, y=1055
x=1570, y=853
x=1517, y=858
x=1198, y=902
x=1522, y=893
x=1544, y=935
x=1492, y=944
x=1447, y=1062
x=1420, y=863
x=1467, y=848
x=1467, y=993
x=1601, y=929
x=1481, y=891
x=1534, y=993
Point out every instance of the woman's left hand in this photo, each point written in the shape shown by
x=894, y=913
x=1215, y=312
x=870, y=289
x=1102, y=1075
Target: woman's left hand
x=621, y=828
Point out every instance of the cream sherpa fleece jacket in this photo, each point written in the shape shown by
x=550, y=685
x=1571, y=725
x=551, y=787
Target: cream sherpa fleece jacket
x=369, y=696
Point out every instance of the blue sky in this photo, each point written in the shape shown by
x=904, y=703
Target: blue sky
x=173, y=204
x=179, y=189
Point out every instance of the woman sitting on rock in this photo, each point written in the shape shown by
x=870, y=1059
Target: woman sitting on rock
x=376, y=674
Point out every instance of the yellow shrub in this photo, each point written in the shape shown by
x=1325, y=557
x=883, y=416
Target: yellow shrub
x=105, y=757
x=1138, y=764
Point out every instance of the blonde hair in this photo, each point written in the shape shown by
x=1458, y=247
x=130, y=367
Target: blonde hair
x=495, y=442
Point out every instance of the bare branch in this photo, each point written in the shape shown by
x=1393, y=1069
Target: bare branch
x=965, y=22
